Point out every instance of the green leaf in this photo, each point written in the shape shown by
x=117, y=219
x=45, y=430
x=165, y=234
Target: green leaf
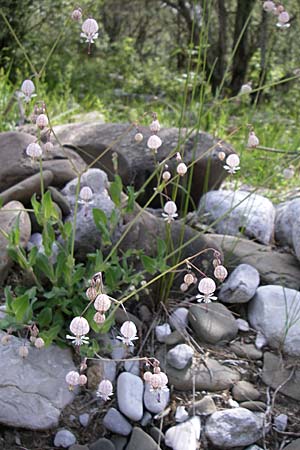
x=161, y=248
x=45, y=317
x=48, y=207
x=130, y=200
x=51, y=334
x=101, y=223
x=22, y=309
x=37, y=209
x=149, y=264
x=115, y=190
x=43, y=265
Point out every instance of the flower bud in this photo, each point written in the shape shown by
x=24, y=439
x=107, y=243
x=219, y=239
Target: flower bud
x=42, y=121
x=166, y=176
x=23, y=351
x=181, y=169
x=77, y=14
x=138, y=137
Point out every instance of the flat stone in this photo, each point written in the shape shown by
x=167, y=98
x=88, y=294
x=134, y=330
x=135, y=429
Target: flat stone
x=102, y=444
x=115, y=422
x=185, y=435
x=243, y=325
x=154, y=403
x=254, y=406
x=84, y=419
x=119, y=442
x=176, y=337
x=24, y=190
x=180, y=356
x=33, y=390
x=162, y=331
x=205, y=406
x=240, y=286
x=283, y=305
x=78, y=447
x=295, y=445
x=140, y=440
x=213, y=323
x=179, y=318
x=157, y=435
x=275, y=373
x=243, y=390
x=234, y=427
x=64, y=438
x=130, y=390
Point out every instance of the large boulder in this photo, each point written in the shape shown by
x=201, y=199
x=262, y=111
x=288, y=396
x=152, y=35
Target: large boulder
x=282, y=374
x=239, y=213
x=33, y=390
x=135, y=160
x=287, y=225
x=275, y=311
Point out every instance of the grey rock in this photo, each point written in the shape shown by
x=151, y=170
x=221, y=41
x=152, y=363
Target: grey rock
x=181, y=414
x=176, y=337
x=135, y=160
x=234, y=427
x=205, y=406
x=60, y=200
x=115, y=422
x=157, y=435
x=24, y=190
x=130, y=391
x=119, y=442
x=283, y=305
x=243, y=325
x=179, y=318
x=248, y=351
x=140, y=440
x=280, y=422
x=84, y=419
x=33, y=390
x=155, y=403
x=146, y=419
x=102, y=444
x=253, y=447
x=240, y=286
x=64, y=438
x=243, y=390
x=287, y=225
x=88, y=237
x=236, y=212
x=78, y=447
x=295, y=445
x=162, y=331
x=9, y=215
x=180, y=356
x=254, y=406
x=132, y=367
x=213, y=323
x=184, y=436
x=260, y=340
x=280, y=268
x=275, y=373
x=100, y=370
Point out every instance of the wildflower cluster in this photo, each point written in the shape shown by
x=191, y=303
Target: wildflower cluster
x=89, y=28
x=283, y=17
x=154, y=141
x=157, y=379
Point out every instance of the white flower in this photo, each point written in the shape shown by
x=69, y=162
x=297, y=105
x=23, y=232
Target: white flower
x=221, y=156
x=155, y=126
x=246, y=88
x=128, y=331
x=102, y=303
x=28, y=89
x=79, y=327
x=253, y=140
x=154, y=142
x=269, y=6
x=232, y=163
x=34, y=150
x=48, y=146
x=76, y=14
x=170, y=213
x=181, y=169
x=166, y=175
x=39, y=343
x=220, y=272
x=288, y=172
x=23, y=351
x=158, y=382
x=72, y=378
x=138, y=137
x=82, y=379
x=85, y=194
x=283, y=20
x=42, y=121
x=206, y=287
x=105, y=390
x=89, y=30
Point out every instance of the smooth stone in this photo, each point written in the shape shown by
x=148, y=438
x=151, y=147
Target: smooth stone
x=184, y=436
x=130, y=390
x=140, y=440
x=146, y=419
x=275, y=374
x=157, y=435
x=61, y=200
x=213, y=323
x=243, y=325
x=279, y=268
x=8, y=220
x=260, y=340
x=119, y=442
x=78, y=447
x=240, y=286
x=180, y=356
x=24, y=190
x=115, y=422
x=254, y=447
x=64, y=438
x=154, y=403
x=102, y=444
x=287, y=225
x=132, y=367
x=162, y=331
x=283, y=306
x=181, y=414
x=295, y=445
x=179, y=318
x=33, y=390
x=84, y=419
x=254, y=406
x=210, y=377
x=234, y=427
x=176, y=337
x=239, y=213
x=280, y=422
x=243, y=391
x=205, y=406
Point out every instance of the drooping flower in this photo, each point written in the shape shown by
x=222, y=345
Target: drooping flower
x=220, y=272
x=138, y=137
x=72, y=379
x=105, y=390
x=288, y=172
x=77, y=14
x=166, y=175
x=42, y=121
x=246, y=88
x=48, y=146
x=28, y=89
x=86, y=195
x=283, y=20
x=189, y=278
x=181, y=169
x=269, y=6
x=206, y=287
x=79, y=327
x=154, y=142
x=34, y=150
x=99, y=318
x=102, y=303
x=82, y=380
x=128, y=331
x=23, y=351
x=39, y=343
x=91, y=293
x=155, y=126
x=184, y=287
x=232, y=163
x=253, y=140
x=90, y=30
x=170, y=211
x=221, y=156
x=178, y=157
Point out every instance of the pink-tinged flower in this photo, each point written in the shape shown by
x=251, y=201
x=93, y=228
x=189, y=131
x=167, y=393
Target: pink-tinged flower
x=170, y=211
x=42, y=121
x=253, y=140
x=155, y=126
x=85, y=195
x=138, y=137
x=184, y=287
x=28, y=89
x=82, y=380
x=128, y=331
x=23, y=351
x=102, y=303
x=178, y=157
x=246, y=88
x=221, y=156
x=181, y=169
x=220, y=272
x=79, y=327
x=90, y=30
x=154, y=142
x=166, y=176
x=147, y=376
x=77, y=14
x=269, y=6
x=39, y=343
x=34, y=150
x=99, y=318
x=189, y=279
x=288, y=172
x=206, y=287
x=283, y=20
x=91, y=293
x=232, y=163
x=72, y=379
x=158, y=382
x=105, y=390
x=48, y=146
